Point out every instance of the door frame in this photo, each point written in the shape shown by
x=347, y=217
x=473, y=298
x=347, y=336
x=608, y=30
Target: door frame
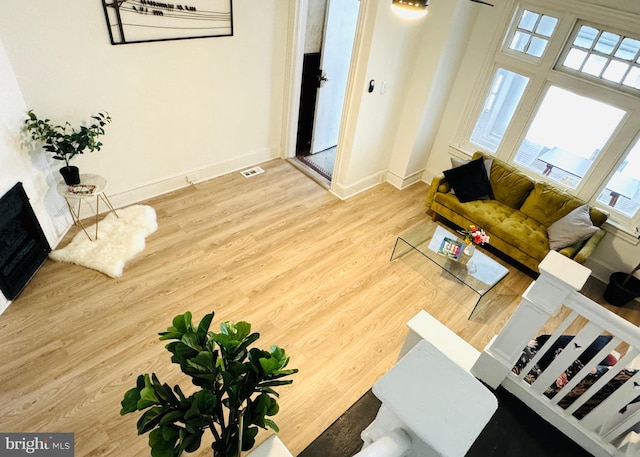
x=296, y=30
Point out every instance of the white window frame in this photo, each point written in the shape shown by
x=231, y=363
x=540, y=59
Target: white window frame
x=541, y=74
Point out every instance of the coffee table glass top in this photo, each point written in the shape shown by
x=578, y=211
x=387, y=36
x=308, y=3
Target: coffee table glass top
x=478, y=271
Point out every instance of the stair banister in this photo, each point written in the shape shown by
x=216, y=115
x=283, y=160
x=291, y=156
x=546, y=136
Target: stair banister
x=559, y=278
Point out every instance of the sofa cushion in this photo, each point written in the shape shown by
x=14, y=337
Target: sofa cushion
x=571, y=228
x=547, y=204
x=509, y=186
x=525, y=234
x=469, y=181
x=484, y=213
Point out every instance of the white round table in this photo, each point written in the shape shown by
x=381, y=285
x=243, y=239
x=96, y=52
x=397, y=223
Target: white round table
x=90, y=186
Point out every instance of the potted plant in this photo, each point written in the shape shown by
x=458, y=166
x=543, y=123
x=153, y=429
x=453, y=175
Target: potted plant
x=623, y=287
x=236, y=390
x=65, y=141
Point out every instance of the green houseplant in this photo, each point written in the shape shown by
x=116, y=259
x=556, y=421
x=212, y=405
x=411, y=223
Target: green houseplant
x=65, y=141
x=236, y=390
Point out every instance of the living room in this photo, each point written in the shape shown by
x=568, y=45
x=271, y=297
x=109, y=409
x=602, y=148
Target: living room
x=209, y=107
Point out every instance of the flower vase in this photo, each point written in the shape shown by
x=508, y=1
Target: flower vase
x=469, y=249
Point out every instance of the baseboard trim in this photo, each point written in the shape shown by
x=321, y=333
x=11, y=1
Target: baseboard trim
x=346, y=192
x=170, y=184
x=402, y=182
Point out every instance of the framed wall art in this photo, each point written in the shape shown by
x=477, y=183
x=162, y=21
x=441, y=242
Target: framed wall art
x=141, y=21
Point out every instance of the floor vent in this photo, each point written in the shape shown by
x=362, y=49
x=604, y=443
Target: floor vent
x=252, y=172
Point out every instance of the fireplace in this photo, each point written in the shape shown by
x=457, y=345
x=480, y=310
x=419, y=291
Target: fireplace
x=23, y=246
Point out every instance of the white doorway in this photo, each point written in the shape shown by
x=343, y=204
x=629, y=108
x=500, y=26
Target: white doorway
x=329, y=37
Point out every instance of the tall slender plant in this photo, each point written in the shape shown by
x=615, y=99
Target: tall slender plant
x=236, y=394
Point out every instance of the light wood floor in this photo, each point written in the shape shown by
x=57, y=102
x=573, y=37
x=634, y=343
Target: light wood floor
x=310, y=272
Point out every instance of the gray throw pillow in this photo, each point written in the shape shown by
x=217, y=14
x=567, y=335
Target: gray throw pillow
x=573, y=227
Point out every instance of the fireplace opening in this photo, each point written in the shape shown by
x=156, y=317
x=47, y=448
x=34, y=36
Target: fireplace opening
x=23, y=245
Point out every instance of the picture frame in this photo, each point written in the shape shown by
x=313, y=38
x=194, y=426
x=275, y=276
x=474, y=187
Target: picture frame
x=143, y=21
x=451, y=248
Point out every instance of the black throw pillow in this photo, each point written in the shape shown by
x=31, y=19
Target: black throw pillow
x=470, y=182
x=564, y=340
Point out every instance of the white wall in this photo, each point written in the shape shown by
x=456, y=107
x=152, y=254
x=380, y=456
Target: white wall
x=19, y=164
x=200, y=106
x=381, y=129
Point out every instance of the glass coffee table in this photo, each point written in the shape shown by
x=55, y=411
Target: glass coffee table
x=478, y=271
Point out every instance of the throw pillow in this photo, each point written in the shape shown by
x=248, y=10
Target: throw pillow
x=573, y=227
x=456, y=162
x=470, y=182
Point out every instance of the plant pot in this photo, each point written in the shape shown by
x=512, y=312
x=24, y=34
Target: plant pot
x=616, y=294
x=71, y=175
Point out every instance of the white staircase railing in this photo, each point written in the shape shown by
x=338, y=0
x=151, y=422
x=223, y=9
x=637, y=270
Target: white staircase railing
x=603, y=419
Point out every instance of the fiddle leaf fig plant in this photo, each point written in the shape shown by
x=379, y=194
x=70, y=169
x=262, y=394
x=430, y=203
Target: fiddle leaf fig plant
x=236, y=394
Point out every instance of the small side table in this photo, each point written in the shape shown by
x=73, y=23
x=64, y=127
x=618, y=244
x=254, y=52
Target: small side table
x=90, y=186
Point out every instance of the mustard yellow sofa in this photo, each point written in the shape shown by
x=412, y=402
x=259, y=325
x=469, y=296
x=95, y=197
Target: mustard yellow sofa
x=519, y=214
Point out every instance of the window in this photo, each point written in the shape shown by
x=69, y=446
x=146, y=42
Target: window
x=568, y=119
x=505, y=94
x=604, y=55
x=532, y=33
x=622, y=192
x=566, y=136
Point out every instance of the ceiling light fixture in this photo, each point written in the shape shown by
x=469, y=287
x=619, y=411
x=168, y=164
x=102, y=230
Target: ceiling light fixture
x=418, y=8
x=410, y=8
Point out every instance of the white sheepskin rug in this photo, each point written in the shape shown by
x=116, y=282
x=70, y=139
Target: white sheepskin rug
x=119, y=240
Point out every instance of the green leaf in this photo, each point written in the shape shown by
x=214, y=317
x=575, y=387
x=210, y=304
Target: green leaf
x=273, y=407
x=150, y=419
x=236, y=330
x=147, y=394
x=203, y=362
x=206, y=402
x=172, y=416
x=191, y=339
x=249, y=438
x=130, y=401
x=192, y=441
x=161, y=447
x=203, y=328
x=272, y=425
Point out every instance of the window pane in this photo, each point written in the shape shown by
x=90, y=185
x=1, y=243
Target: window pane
x=622, y=192
x=519, y=41
x=633, y=78
x=574, y=59
x=528, y=21
x=594, y=65
x=546, y=26
x=607, y=42
x=566, y=136
x=615, y=71
x=505, y=94
x=537, y=46
x=628, y=49
x=585, y=37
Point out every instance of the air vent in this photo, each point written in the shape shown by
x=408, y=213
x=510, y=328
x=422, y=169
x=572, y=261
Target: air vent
x=252, y=172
